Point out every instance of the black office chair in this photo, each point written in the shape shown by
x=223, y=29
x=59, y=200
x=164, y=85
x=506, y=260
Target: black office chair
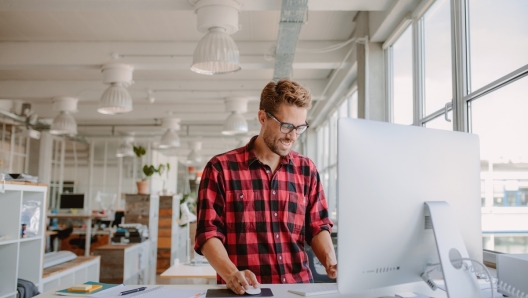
x=312, y=259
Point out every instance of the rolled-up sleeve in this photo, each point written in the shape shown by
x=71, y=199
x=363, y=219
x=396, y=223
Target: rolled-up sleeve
x=317, y=216
x=210, y=207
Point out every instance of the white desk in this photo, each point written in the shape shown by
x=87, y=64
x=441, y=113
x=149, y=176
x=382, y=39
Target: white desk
x=189, y=271
x=87, y=221
x=281, y=291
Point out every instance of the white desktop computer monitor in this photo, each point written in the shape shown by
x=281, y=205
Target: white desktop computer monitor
x=385, y=174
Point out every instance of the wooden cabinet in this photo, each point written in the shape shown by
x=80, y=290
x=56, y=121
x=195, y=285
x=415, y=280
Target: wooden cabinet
x=125, y=263
x=144, y=209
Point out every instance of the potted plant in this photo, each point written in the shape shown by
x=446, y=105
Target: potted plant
x=148, y=171
x=142, y=185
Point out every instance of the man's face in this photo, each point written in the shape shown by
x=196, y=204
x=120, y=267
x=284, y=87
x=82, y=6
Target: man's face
x=278, y=142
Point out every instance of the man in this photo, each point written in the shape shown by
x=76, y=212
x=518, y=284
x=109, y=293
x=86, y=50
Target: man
x=258, y=204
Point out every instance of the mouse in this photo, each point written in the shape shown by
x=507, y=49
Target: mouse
x=253, y=291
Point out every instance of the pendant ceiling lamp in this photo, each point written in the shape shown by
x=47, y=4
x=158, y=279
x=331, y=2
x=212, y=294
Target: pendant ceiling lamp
x=126, y=148
x=64, y=123
x=217, y=52
x=170, y=138
x=195, y=157
x=235, y=123
x=116, y=99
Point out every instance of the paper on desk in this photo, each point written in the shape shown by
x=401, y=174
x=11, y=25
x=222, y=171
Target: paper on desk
x=151, y=291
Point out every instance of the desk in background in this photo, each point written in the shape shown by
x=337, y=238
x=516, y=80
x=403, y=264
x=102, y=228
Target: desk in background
x=87, y=221
x=190, y=271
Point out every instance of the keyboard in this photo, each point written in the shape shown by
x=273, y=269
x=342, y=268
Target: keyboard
x=315, y=290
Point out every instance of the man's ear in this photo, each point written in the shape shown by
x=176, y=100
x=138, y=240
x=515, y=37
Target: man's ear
x=262, y=116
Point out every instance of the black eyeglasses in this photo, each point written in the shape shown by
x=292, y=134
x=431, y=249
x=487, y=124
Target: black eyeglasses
x=286, y=127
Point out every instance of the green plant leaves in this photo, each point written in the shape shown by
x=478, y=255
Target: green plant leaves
x=140, y=151
x=149, y=170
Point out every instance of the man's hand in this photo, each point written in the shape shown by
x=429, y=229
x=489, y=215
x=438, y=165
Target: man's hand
x=331, y=271
x=241, y=280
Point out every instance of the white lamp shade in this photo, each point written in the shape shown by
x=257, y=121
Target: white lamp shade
x=170, y=139
x=235, y=124
x=115, y=100
x=194, y=157
x=216, y=53
x=65, y=103
x=125, y=149
x=63, y=124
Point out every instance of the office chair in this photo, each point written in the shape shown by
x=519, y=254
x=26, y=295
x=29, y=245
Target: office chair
x=312, y=259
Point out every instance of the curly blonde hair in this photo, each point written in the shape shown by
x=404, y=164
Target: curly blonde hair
x=284, y=91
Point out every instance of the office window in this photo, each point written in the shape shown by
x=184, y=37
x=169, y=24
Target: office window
x=353, y=105
x=327, y=148
x=499, y=118
x=333, y=138
x=498, y=34
x=437, y=52
x=14, y=148
x=440, y=122
x=342, y=111
x=402, y=78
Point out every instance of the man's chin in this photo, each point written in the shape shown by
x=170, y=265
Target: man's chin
x=282, y=153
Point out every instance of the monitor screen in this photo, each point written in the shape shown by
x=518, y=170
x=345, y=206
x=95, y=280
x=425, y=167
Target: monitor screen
x=71, y=201
x=385, y=174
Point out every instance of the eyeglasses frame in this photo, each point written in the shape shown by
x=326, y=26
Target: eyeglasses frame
x=293, y=126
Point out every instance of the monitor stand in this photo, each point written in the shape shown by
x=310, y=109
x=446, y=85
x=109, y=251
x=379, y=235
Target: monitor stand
x=458, y=282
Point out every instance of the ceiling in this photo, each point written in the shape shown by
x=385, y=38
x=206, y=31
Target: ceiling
x=50, y=48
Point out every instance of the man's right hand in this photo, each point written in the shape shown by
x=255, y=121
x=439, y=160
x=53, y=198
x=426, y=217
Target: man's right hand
x=240, y=280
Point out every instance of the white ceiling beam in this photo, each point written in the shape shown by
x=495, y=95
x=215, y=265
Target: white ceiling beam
x=146, y=55
x=382, y=23
x=180, y=92
x=337, y=86
x=88, y=111
x=156, y=5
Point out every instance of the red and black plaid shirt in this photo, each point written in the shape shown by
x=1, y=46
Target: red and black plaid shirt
x=262, y=218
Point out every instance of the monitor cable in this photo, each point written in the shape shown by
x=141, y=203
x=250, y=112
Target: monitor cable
x=465, y=266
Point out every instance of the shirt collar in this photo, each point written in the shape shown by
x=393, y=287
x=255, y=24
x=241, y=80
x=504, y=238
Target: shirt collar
x=251, y=157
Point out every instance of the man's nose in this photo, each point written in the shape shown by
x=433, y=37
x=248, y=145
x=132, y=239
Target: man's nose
x=293, y=135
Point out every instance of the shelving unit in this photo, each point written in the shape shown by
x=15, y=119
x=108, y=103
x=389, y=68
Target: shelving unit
x=20, y=257
x=74, y=272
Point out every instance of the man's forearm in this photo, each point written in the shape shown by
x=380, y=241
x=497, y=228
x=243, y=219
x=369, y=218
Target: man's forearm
x=216, y=254
x=323, y=249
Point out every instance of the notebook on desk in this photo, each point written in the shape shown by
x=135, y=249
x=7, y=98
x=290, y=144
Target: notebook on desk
x=103, y=287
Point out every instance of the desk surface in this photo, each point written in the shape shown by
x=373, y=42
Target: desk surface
x=78, y=215
x=281, y=291
x=188, y=271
